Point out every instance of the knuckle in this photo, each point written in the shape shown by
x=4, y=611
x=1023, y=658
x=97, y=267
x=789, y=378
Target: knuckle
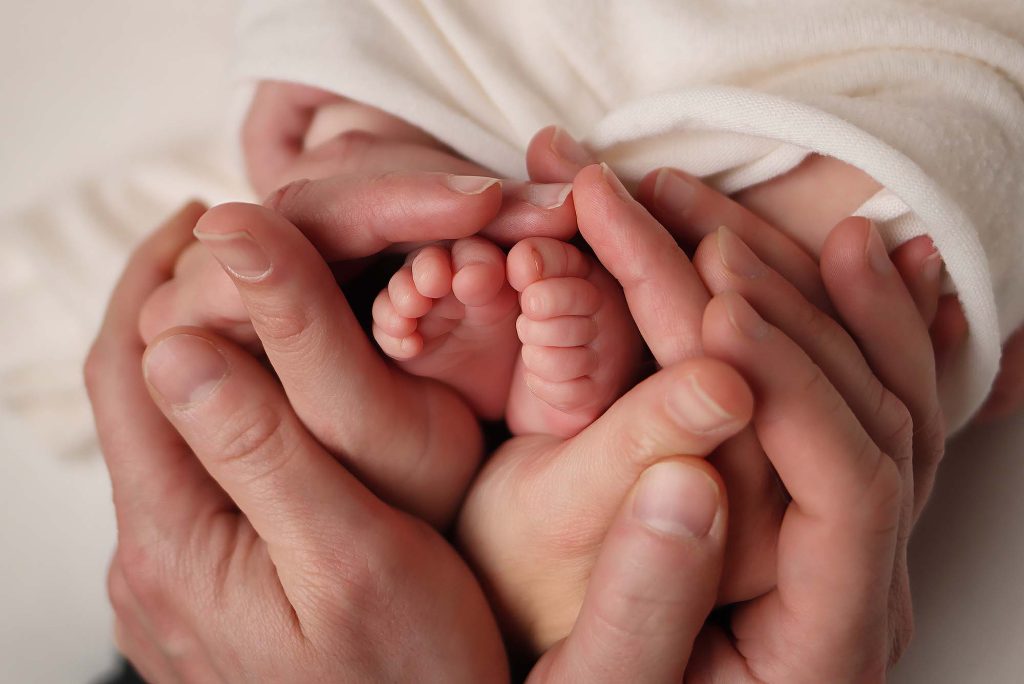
x=287, y=196
x=818, y=325
x=282, y=326
x=815, y=385
x=117, y=591
x=896, y=420
x=883, y=492
x=143, y=573
x=254, y=443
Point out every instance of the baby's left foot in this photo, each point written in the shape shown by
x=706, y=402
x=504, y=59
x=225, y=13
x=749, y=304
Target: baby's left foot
x=581, y=349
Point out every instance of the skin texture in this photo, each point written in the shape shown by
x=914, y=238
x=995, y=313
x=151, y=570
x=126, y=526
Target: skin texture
x=533, y=563
x=689, y=211
x=548, y=356
x=224, y=500
x=919, y=299
x=236, y=529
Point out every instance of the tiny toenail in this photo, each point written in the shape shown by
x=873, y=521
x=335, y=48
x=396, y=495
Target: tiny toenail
x=538, y=262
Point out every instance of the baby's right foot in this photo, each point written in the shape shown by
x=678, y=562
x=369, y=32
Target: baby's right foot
x=581, y=349
x=450, y=315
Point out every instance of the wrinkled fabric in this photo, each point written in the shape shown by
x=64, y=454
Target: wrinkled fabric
x=925, y=96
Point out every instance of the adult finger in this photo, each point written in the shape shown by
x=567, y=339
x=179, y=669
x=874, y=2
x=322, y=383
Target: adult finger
x=920, y=267
x=348, y=216
x=201, y=294
x=874, y=304
x=338, y=384
x=239, y=424
x=948, y=331
x=274, y=132
x=690, y=210
x=406, y=194
x=149, y=465
x=837, y=547
x=687, y=409
x=665, y=295
x=790, y=389
x=638, y=621
x=727, y=264
x=554, y=156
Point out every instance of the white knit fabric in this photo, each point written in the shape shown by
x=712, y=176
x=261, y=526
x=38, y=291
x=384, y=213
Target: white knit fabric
x=924, y=95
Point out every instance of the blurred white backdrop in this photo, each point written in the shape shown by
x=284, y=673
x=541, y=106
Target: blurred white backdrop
x=88, y=88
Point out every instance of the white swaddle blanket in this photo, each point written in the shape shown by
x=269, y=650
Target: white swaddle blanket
x=926, y=96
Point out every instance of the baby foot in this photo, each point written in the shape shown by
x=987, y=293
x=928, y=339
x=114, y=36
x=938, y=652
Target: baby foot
x=581, y=349
x=449, y=314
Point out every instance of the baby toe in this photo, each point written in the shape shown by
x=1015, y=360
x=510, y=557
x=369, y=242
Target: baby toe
x=568, y=396
x=559, y=364
x=564, y=331
x=398, y=348
x=387, y=318
x=407, y=300
x=432, y=271
x=537, y=258
x=479, y=271
x=553, y=297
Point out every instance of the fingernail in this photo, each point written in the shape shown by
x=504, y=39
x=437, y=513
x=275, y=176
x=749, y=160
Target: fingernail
x=931, y=268
x=566, y=147
x=694, y=408
x=547, y=195
x=737, y=256
x=239, y=253
x=673, y=193
x=470, y=185
x=614, y=183
x=185, y=369
x=877, y=254
x=744, y=319
x=677, y=499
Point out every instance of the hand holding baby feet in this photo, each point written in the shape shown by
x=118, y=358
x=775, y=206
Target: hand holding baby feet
x=449, y=314
x=581, y=349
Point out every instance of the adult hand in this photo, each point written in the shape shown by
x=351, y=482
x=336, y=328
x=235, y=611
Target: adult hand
x=691, y=211
x=891, y=389
x=246, y=552
x=660, y=284
x=829, y=618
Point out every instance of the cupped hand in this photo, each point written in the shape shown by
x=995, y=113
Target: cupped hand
x=246, y=552
x=661, y=287
x=257, y=279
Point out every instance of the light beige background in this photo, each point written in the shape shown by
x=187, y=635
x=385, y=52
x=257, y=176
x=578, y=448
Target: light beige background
x=86, y=86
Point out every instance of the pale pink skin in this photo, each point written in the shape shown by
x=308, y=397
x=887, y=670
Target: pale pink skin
x=549, y=360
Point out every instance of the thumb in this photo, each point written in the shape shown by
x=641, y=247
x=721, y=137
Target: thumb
x=688, y=409
x=654, y=582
